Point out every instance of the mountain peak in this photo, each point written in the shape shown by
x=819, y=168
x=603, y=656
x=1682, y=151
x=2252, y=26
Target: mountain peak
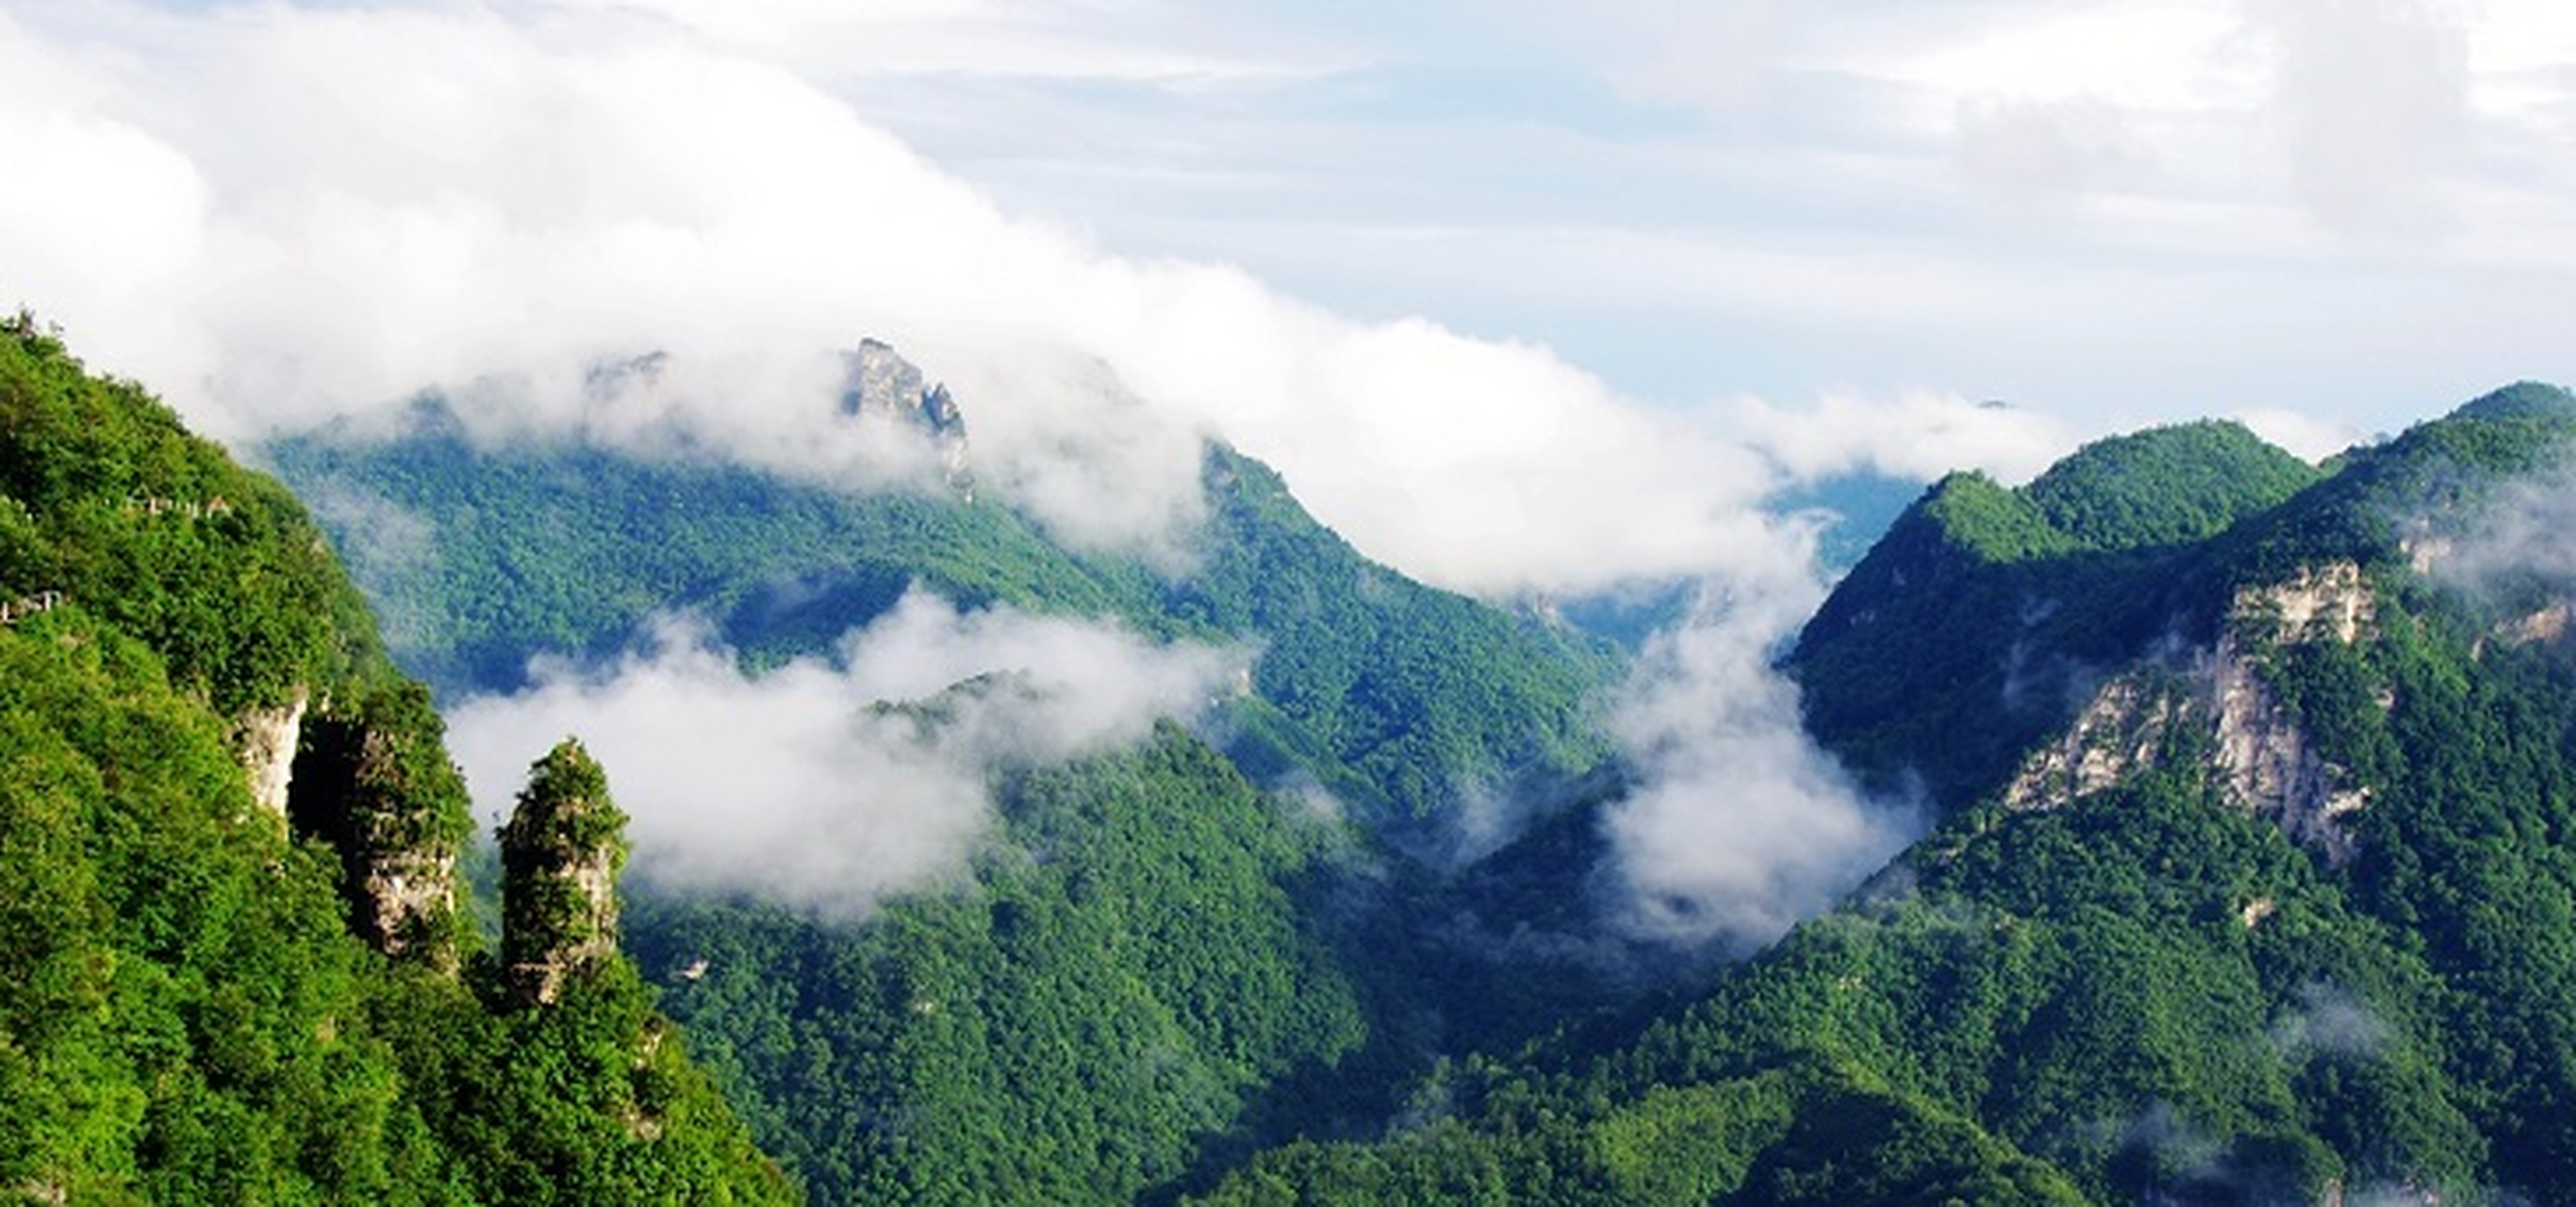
x=877, y=380
x=2521, y=400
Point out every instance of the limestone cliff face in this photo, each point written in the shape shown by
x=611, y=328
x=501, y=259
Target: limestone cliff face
x=266, y=739
x=2548, y=625
x=560, y=856
x=373, y=781
x=2266, y=761
x=2116, y=735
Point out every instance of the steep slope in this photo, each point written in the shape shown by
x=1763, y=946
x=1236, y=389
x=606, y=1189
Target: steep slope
x=1153, y=967
x=2254, y=883
x=2091, y=561
x=1401, y=699
x=1126, y=984
x=231, y=965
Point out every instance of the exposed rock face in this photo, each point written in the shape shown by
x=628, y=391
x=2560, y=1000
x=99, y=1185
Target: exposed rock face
x=560, y=856
x=2320, y=603
x=2270, y=765
x=406, y=897
x=2547, y=626
x=879, y=381
x=2116, y=735
x=2263, y=757
x=266, y=739
x=380, y=805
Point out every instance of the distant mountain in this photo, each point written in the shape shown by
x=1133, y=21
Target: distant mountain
x=1153, y=967
x=2254, y=883
x=1399, y=698
x=234, y=965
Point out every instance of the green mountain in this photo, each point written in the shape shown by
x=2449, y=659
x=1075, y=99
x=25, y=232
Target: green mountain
x=2251, y=880
x=233, y=966
x=1155, y=965
x=2253, y=884
x=1399, y=698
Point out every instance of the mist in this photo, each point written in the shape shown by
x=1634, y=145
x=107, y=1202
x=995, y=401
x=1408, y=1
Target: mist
x=1740, y=826
x=2330, y=1021
x=282, y=217
x=2517, y=544
x=800, y=785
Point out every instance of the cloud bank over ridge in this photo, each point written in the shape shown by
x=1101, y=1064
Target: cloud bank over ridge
x=803, y=785
x=282, y=216
x=279, y=215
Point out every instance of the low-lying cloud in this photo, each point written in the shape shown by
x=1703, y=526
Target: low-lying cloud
x=830, y=784
x=2330, y=1021
x=2516, y=549
x=1741, y=826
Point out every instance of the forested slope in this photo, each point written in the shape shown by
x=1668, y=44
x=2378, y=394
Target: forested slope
x=1155, y=965
x=1399, y=697
x=206, y=992
x=2254, y=883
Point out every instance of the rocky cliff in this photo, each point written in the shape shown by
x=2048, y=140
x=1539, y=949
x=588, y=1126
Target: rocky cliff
x=2218, y=705
x=560, y=856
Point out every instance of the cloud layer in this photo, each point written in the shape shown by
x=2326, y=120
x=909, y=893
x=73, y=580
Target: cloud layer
x=280, y=216
x=277, y=216
x=801, y=785
x=1740, y=826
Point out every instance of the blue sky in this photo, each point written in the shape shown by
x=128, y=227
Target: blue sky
x=2360, y=209
x=1519, y=294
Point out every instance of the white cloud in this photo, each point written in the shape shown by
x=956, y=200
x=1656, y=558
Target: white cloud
x=2330, y=1021
x=2517, y=542
x=1918, y=434
x=2309, y=436
x=2371, y=102
x=388, y=199
x=1741, y=826
x=794, y=785
x=2029, y=153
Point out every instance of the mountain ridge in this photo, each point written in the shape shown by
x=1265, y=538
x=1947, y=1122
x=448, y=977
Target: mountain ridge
x=2111, y=959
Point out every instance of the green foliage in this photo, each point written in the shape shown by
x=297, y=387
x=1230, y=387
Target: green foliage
x=108, y=502
x=2145, y=994
x=185, y=1016
x=1400, y=698
x=1178, y=972
x=1097, y=1014
x=481, y=556
x=2166, y=486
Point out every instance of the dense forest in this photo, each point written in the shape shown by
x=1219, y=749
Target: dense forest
x=1162, y=960
x=1395, y=696
x=2253, y=885
x=207, y=993
x=2251, y=879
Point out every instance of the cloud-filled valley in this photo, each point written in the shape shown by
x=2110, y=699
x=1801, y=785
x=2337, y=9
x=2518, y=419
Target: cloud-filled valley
x=830, y=783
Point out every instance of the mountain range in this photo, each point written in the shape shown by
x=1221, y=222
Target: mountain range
x=2244, y=876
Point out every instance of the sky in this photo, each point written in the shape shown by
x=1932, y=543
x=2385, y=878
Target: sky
x=1445, y=264
x=2357, y=209
x=1522, y=298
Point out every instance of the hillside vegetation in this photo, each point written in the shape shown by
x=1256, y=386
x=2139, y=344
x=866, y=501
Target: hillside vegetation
x=188, y=1012
x=1156, y=963
x=2253, y=887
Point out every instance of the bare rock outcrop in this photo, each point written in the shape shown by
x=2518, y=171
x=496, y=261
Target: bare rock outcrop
x=266, y=740
x=373, y=782
x=2266, y=762
x=878, y=381
x=560, y=856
